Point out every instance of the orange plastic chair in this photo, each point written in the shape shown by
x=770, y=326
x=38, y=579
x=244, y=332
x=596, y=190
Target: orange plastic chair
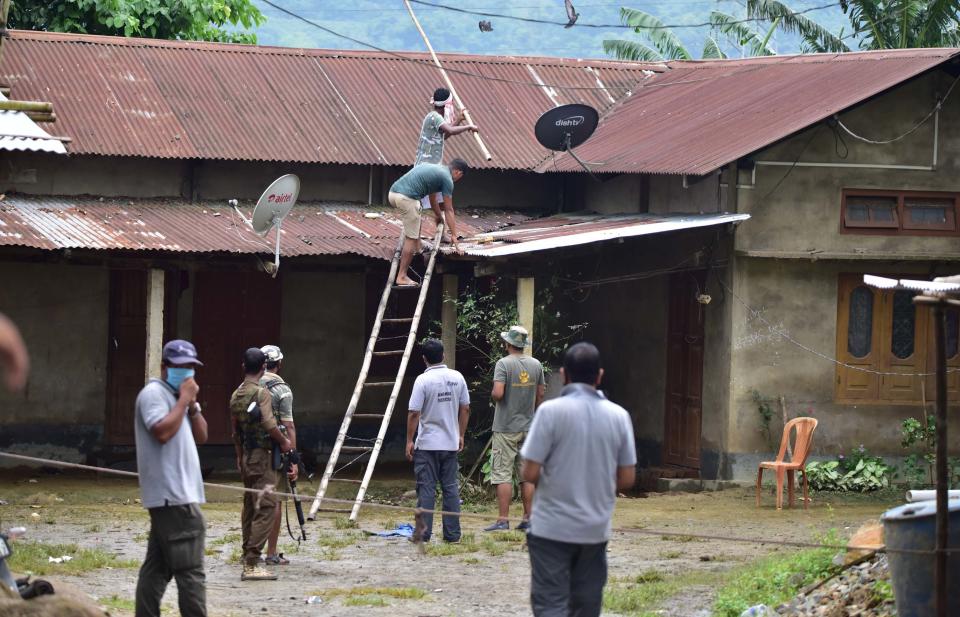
x=801, y=449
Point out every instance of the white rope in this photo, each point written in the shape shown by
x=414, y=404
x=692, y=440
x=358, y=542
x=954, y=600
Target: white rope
x=782, y=333
x=916, y=126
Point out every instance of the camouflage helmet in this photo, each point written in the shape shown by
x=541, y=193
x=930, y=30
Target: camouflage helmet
x=272, y=352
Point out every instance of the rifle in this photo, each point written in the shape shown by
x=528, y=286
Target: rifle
x=286, y=460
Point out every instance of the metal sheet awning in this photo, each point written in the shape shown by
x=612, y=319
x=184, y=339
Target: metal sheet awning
x=571, y=230
x=19, y=132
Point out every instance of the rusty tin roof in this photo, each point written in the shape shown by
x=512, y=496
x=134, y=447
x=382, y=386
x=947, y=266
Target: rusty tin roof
x=701, y=115
x=174, y=226
x=179, y=99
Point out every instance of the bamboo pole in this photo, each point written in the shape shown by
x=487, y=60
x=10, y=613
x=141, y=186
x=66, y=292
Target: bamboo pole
x=408, y=349
x=35, y=106
x=446, y=78
x=41, y=117
x=357, y=389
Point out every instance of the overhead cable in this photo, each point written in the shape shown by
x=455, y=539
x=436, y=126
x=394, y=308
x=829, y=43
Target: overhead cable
x=565, y=24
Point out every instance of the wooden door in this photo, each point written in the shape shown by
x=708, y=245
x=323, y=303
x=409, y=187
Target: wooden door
x=685, y=345
x=232, y=311
x=126, y=351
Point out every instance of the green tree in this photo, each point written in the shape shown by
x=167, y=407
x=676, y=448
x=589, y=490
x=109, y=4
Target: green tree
x=876, y=24
x=657, y=42
x=197, y=20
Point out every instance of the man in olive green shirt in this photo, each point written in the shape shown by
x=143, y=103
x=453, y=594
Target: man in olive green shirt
x=518, y=389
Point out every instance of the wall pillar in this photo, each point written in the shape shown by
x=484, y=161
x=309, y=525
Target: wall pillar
x=525, y=303
x=154, y=321
x=448, y=319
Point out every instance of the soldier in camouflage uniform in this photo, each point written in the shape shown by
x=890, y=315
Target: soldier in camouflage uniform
x=255, y=430
x=282, y=399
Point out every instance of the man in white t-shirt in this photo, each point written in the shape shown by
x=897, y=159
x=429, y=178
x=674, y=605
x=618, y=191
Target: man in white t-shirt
x=439, y=411
x=579, y=452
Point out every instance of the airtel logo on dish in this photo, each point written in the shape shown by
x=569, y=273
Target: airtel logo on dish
x=281, y=198
x=570, y=121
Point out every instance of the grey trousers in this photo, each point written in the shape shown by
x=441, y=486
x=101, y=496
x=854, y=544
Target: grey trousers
x=566, y=579
x=174, y=550
x=430, y=467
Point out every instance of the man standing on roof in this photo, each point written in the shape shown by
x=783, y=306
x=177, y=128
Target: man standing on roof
x=441, y=122
x=254, y=432
x=282, y=401
x=518, y=389
x=405, y=195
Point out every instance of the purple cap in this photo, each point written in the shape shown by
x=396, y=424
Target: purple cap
x=180, y=352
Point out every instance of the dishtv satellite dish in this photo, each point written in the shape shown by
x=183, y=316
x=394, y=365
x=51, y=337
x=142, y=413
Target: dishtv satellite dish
x=272, y=207
x=564, y=128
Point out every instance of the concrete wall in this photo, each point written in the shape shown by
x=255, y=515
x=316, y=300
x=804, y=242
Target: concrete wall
x=803, y=213
x=62, y=312
x=46, y=174
x=799, y=299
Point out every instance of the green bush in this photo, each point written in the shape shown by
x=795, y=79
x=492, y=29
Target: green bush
x=859, y=473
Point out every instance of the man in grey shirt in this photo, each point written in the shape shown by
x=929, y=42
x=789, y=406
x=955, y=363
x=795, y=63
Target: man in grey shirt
x=438, y=413
x=518, y=389
x=167, y=428
x=579, y=452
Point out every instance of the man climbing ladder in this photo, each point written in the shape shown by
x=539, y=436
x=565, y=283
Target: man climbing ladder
x=405, y=195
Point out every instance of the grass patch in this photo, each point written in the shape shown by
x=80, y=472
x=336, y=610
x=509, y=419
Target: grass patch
x=372, y=596
x=330, y=554
x=236, y=555
x=117, y=603
x=471, y=561
x=227, y=538
x=93, y=529
x=34, y=558
x=337, y=542
x=639, y=597
x=650, y=576
x=681, y=538
x=671, y=554
x=141, y=537
x=343, y=522
x=772, y=580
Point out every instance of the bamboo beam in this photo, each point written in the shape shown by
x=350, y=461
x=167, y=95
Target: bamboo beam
x=41, y=117
x=446, y=78
x=36, y=106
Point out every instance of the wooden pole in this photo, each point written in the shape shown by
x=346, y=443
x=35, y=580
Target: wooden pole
x=446, y=78
x=940, y=321
x=34, y=106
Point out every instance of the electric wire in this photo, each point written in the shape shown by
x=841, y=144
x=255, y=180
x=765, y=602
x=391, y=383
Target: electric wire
x=608, y=26
x=909, y=131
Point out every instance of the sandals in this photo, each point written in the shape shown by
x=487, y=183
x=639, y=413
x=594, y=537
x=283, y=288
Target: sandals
x=276, y=560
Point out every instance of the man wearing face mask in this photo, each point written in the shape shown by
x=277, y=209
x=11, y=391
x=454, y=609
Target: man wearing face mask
x=168, y=427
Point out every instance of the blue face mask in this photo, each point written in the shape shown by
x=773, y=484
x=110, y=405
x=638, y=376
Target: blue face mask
x=176, y=376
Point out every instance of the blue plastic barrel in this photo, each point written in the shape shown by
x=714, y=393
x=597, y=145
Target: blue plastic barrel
x=913, y=526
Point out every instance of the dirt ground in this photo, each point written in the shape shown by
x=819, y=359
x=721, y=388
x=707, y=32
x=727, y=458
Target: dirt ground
x=485, y=576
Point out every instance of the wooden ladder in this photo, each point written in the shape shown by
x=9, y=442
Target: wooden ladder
x=363, y=383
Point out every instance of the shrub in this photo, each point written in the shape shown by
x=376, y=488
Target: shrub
x=859, y=472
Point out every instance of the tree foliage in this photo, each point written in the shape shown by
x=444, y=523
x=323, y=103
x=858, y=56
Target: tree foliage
x=199, y=20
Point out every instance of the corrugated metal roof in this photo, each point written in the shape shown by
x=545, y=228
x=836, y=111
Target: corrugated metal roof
x=701, y=115
x=167, y=225
x=178, y=99
x=571, y=230
x=19, y=132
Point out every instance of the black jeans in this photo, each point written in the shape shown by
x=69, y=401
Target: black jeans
x=430, y=467
x=566, y=579
x=174, y=550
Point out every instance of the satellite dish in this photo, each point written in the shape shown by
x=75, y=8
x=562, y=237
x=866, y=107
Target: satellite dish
x=566, y=126
x=272, y=207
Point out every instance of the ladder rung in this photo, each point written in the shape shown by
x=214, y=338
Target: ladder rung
x=368, y=415
x=399, y=287
x=356, y=448
x=376, y=384
x=397, y=320
x=337, y=510
x=346, y=480
x=392, y=352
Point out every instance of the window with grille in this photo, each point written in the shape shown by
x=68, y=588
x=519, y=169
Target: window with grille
x=899, y=212
x=884, y=341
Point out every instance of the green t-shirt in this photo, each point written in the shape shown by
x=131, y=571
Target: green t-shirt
x=430, y=147
x=521, y=376
x=424, y=180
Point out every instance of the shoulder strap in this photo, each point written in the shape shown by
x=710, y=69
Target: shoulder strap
x=273, y=383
